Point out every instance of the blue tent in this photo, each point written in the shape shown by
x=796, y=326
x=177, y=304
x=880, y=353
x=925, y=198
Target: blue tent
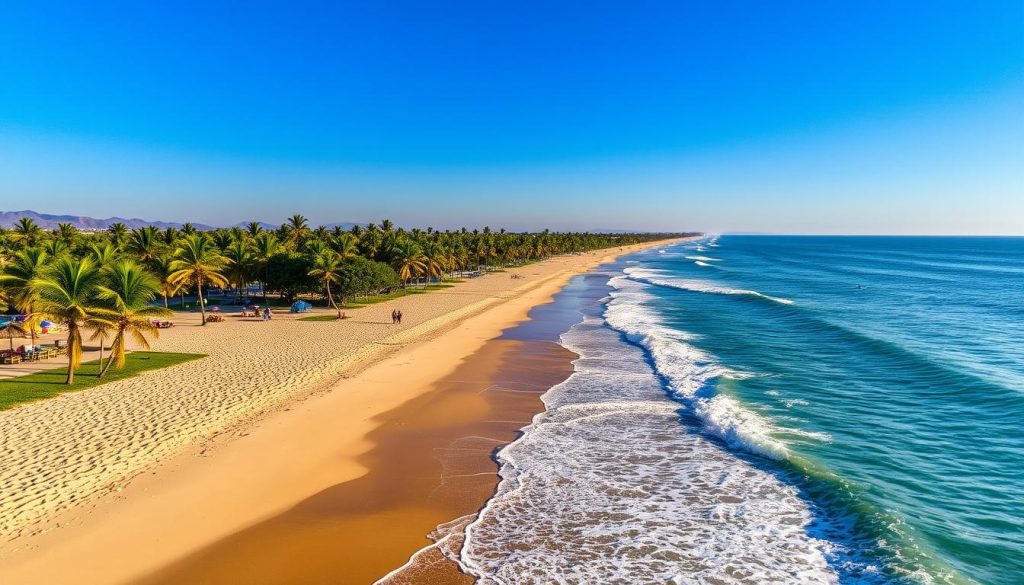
x=301, y=307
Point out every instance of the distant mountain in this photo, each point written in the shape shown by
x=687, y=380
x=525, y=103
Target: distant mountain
x=262, y=224
x=49, y=221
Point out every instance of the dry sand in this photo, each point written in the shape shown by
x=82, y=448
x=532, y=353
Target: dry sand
x=109, y=484
x=430, y=464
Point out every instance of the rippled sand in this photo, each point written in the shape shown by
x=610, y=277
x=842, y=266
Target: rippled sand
x=59, y=453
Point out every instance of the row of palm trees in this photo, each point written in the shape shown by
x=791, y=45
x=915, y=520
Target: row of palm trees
x=106, y=281
x=113, y=301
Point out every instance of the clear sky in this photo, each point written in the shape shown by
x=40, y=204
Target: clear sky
x=816, y=117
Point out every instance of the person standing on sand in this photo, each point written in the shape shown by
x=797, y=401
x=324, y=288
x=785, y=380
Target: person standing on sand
x=394, y=316
x=399, y=315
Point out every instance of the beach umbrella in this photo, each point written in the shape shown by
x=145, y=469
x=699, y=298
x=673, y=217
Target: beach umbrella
x=10, y=328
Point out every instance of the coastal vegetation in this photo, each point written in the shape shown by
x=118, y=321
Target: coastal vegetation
x=116, y=282
x=290, y=261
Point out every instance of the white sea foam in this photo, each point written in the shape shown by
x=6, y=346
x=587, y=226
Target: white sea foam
x=660, y=278
x=705, y=264
x=704, y=258
x=607, y=486
x=689, y=371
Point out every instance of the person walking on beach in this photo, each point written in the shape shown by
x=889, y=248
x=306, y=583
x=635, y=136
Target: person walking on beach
x=266, y=314
x=394, y=316
x=399, y=316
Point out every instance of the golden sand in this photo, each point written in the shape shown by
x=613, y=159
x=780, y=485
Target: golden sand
x=113, y=483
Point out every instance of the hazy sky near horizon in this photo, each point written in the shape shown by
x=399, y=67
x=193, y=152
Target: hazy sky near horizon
x=874, y=117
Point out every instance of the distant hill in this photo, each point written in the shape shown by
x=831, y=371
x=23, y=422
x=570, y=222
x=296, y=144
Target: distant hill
x=49, y=221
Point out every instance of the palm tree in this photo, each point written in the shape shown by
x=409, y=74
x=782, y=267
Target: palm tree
x=222, y=239
x=408, y=260
x=27, y=232
x=144, y=243
x=346, y=245
x=18, y=280
x=101, y=330
x=67, y=295
x=56, y=247
x=253, y=228
x=66, y=233
x=240, y=263
x=197, y=262
x=118, y=232
x=297, y=228
x=126, y=295
x=327, y=268
x=434, y=261
x=103, y=254
x=264, y=246
x=161, y=267
x=170, y=235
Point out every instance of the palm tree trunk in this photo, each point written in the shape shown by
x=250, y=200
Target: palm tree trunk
x=202, y=305
x=102, y=369
x=165, y=300
x=330, y=297
x=110, y=359
x=71, y=355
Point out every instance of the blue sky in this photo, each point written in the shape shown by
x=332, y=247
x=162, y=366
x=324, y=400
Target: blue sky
x=874, y=117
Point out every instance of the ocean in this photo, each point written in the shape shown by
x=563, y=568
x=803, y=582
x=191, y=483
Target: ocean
x=768, y=409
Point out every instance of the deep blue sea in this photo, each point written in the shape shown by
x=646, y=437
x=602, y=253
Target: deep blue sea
x=754, y=409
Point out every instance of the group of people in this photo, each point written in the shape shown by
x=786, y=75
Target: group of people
x=266, y=313
x=396, y=317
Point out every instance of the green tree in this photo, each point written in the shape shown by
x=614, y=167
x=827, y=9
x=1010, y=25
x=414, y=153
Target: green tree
x=297, y=229
x=67, y=294
x=66, y=233
x=288, y=275
x=118, y=233
x=19, y=280
x=240, y=264
x=435, y=260
x=27, y=232
x=197, y=263
x=265, y=245
x=326, y=269
x=103, y=254
x=144, y=243
x=162, y=270
x=408, y=260
x=125, y=293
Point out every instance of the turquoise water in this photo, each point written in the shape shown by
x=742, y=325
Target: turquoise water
x=883, y=376
x=749, y=410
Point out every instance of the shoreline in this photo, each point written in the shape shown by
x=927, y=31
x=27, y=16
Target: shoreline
x=284, y=456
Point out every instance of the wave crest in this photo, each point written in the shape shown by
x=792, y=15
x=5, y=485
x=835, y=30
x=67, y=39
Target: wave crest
x=655, y=277
x=690, y=373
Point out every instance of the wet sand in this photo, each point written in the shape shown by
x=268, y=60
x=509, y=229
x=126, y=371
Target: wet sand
x=431, y=463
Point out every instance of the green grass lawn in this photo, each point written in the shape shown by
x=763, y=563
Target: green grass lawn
x=41, y=385
x=402, y=292
x=321, y=318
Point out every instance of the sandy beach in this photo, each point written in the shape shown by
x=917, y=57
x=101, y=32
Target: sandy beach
x=119, y=482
